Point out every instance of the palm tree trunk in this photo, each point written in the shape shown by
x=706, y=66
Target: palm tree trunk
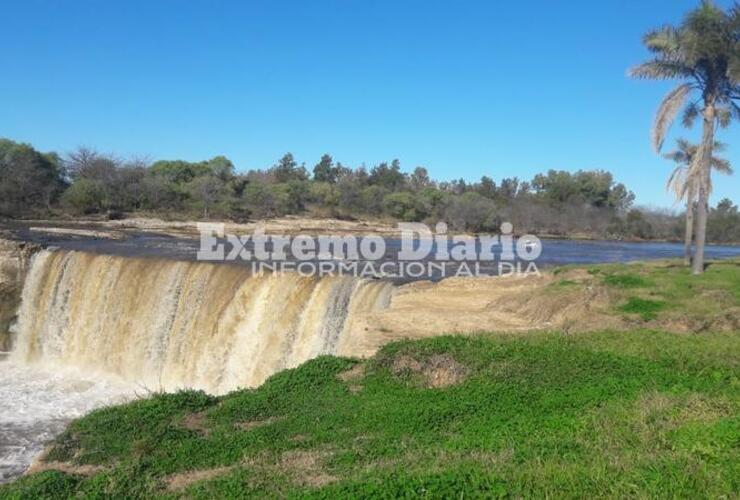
x=689, y=236
x=701, y=208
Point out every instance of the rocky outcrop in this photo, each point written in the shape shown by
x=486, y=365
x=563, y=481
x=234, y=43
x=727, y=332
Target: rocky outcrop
x=14, y=260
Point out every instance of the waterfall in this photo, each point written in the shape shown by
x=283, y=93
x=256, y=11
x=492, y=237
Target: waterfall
x=168, y=324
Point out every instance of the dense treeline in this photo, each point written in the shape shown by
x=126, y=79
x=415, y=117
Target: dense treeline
x=86, y=182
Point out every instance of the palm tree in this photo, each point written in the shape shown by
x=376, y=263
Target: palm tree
x=703, y=52
x=685, y=186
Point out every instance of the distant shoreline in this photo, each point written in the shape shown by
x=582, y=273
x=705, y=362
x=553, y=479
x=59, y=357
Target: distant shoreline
x=98, y=227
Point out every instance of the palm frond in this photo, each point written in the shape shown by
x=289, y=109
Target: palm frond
x=677, y=157
x=724, y=116
x=664, y=40
x=667, y=112
x=677, y=182
x=733, y=69
x=689, y=175
x=690, y=115
x=735, y=110
x=697, y=173
x=733, y=66
x=722, y=166
x=735, y=15
x=726, y=111
x=660, y=69
x=686, y=147
x=719, y=147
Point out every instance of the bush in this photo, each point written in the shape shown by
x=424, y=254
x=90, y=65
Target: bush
x=402, y=206
x=472, y=212
x=84, y=197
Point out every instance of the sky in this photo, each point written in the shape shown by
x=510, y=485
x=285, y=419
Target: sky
x=463, y=88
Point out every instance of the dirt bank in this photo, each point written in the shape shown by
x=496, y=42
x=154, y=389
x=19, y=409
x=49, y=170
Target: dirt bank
x=469, y=305
x=660, y=295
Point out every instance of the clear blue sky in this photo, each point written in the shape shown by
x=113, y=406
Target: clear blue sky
x=464, y=88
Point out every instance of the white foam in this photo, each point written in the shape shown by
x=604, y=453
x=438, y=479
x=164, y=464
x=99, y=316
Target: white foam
x=37, y=402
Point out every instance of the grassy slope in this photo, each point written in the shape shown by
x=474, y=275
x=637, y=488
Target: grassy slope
x=638, y=413
x=660, y=293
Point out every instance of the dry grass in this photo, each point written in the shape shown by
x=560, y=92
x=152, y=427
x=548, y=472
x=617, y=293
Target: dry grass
x=66, y=467
x=177, y=482
x=303, y=467
x=352, y=376
x=196, y=422
x=437, y=371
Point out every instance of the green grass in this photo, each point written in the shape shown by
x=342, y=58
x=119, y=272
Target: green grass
x=646, y=308
x=664, y=292
x=607, y=414
x=565, y=283
x=626, y=281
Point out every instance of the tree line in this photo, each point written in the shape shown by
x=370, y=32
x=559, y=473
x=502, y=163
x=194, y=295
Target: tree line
x=90, y=183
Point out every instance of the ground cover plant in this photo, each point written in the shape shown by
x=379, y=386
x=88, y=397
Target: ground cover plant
x=639, y=413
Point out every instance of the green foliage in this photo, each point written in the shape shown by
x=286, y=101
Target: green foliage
x=724, y=222
x=325, y=194
x=607, y=414
x=646, y=308
x=634, y=225
x=47, y=484
x=371, y=199
x=272, y=200
x=287, y=170
x=326, y=171
x=260, y=200
x=30, y=181
x=85, y=197
x=565, y=283
x=434, y=202
x=388, y=177
x=701, y=51
x=595, y=188
x=556, y=203
x=472, y=211
x=626, y=280
x=206, y=191
x=179, y=172
x=402, y=206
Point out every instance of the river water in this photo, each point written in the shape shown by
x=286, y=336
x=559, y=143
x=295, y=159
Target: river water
x=555, y=252
x=36, y=403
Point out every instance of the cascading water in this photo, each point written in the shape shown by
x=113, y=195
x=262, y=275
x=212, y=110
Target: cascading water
x=170, y=325
x=95, y=329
